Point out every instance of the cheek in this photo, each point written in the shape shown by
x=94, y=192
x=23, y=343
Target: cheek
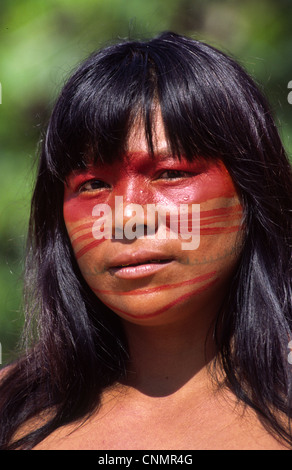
x=75, y=210
x=79, y=223
x=211, y=184
x=220, y=212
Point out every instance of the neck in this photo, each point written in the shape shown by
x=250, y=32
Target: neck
x=166, y=358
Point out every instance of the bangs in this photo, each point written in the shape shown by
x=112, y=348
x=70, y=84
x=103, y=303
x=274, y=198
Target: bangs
x=196, y=87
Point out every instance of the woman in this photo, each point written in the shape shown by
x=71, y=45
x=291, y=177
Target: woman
x=158, y=279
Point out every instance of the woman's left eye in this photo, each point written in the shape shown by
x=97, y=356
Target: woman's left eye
x=174, y=174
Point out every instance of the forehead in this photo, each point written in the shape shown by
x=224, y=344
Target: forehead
x=137, y=141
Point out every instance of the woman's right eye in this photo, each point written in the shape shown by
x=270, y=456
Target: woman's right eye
x=93, y=185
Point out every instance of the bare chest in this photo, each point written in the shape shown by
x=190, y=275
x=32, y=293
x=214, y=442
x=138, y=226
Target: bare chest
x=162, y=425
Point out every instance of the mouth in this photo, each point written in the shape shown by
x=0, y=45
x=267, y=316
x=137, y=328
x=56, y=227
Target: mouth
x=139, y=264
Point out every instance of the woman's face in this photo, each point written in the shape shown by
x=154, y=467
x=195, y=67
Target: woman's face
x=156, y=239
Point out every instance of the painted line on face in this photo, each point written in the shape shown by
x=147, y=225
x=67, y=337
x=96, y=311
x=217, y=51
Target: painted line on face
x=202, y=261
x=212, y=216
x=203, y=230
x=88, y=247
x=226, y=210
x=167, y=306
x=219, y=215
x=220, y=219
x=81, y=238
x=203, y=277
x=135, y=220
x=93, y=244
x=79, y=228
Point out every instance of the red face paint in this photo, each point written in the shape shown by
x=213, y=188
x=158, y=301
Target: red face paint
x=170, y=279
x=150, y=290
x=178, y=300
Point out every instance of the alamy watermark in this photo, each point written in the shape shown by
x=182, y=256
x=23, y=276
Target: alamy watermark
x=150, y=221
x=290, y=93
x=290, y=353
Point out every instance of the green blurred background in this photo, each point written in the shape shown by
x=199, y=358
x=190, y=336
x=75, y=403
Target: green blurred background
x=41, y=41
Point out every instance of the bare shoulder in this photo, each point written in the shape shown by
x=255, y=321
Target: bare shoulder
x=4, y=372
x=32, y=425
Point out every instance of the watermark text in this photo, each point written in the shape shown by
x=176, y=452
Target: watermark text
x=290, y=93
x=290, y=353
x=152, y=221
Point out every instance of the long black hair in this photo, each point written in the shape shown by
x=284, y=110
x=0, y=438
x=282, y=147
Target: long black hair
x=75, y=346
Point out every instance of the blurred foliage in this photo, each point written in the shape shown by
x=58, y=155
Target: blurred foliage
x=41, y=41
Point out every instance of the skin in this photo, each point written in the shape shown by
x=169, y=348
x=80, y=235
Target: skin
x=168, y=399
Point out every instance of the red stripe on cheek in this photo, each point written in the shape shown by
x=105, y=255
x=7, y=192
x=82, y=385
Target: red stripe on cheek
x=88, y=247
x=85, y=236
x=191, y=224
x=79, y=228
x=220, y=219
x=89, y=235
x=195, y=280
x=186, y=223
x=221, y=211
x=167, y=306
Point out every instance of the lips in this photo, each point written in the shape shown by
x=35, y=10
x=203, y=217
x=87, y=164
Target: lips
x=138, y=264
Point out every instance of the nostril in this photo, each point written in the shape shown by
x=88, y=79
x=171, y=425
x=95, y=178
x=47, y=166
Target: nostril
x=133, y=220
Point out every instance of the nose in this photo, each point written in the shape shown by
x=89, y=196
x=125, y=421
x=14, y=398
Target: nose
x=132, y=220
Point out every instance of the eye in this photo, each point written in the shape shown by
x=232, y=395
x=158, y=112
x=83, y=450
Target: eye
x=92, y=185
x=174, y=174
